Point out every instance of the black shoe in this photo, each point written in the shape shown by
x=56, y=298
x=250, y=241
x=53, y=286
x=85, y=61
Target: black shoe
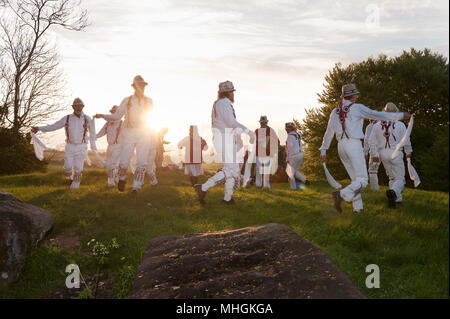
x=337, y=200
x=230, y=202
x=392, y=197
x=121, y=185
x=307, y=183
x=201, y=194
x=134, y=191
x=194, y=180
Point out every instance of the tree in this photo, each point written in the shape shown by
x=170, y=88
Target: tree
x=416, y=81
x=31, y=83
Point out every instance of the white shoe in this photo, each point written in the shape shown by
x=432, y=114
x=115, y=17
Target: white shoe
x=75, y=185
x=111, y=182
x=153, y=179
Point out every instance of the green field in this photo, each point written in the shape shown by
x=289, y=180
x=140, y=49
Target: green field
x=409, y=244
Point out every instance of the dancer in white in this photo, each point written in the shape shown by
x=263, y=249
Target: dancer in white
x=373, y=166
x=346, y=123
x=135, y=133
x=112, y=131
x=266, y=153
x=294, y=155
x=382, y=141
x=193, y=144
x=78, y=127
x=226, y=131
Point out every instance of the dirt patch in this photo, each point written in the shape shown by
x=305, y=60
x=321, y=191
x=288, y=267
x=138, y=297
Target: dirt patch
x=69, y=242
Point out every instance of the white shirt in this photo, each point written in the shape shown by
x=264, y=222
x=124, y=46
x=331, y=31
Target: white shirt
x=353, y=123
x=75, y=129
x=193, y=152
x=377, y=140
x=366, y=137
x=294, y=144
x=139, y=109
x=110, y=129
x=223, y=116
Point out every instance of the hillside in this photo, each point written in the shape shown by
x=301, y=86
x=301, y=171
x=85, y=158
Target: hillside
x=409, y=244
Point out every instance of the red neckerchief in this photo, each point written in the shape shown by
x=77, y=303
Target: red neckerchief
x=385, y=127
x=342, y=111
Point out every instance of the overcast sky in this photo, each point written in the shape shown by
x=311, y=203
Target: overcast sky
x=276, y=53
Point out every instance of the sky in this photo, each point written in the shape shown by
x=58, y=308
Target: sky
x=277, y=53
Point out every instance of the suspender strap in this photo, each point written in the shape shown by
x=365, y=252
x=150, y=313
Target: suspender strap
x=342, y=111
x=118, y=132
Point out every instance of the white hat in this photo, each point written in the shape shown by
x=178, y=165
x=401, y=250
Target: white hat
x=226, y=86
x=77, y=101
x=139, y=80
x=391, y=107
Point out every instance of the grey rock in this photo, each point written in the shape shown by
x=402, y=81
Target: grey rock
x=21, y=227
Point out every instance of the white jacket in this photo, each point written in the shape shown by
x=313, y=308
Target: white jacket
x=223, y=116
x=294, y=144
x=378, y=142
x=353, y=123
x=75, y=129
x=193, y=149
x=137, y=117
x=112, y=131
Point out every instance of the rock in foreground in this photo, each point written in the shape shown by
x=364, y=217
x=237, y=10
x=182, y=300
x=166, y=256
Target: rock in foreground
x=269, y=261
x=21, y=226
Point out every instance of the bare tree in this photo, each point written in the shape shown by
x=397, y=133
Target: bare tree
x=31, y=82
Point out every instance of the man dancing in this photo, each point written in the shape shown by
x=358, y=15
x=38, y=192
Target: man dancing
x=382, y=141
x=112, y=131
x=294, y=155
x=267, y=143
x=346, y=123
x=77, y=125
x=193, y=144
x=226, y=135
x=135, y=133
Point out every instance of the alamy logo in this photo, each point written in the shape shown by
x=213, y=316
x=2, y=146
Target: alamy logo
x=373, y=280
x=73, y=279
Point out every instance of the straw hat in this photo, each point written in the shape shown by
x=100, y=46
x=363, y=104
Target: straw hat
x=226, y=86
x=77, y=101
x=391, y=107
x=139, y=80
x=349, y=90
x=289, y=125
x=263, y=119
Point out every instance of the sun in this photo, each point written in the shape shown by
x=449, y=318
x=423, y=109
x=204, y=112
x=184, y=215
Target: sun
x=156, y=120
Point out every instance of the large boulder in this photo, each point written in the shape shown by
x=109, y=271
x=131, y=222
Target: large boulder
x=269, y=261
x=21, y=226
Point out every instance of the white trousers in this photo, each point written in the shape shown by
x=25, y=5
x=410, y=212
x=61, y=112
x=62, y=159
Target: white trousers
x=373, y=174
x=352, y=156
x=293, y=164
x=230, y=172
x=74, y=158
x=131, y=139
x=151, y=159
x=193, y=169
x=112, y=156
x=263, y=171
x=395, y=170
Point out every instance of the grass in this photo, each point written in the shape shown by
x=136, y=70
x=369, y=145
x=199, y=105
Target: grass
x=409, y=244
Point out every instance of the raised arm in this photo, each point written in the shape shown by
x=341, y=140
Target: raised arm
x=53, y=127
x=370, y=114
x=118, y=114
